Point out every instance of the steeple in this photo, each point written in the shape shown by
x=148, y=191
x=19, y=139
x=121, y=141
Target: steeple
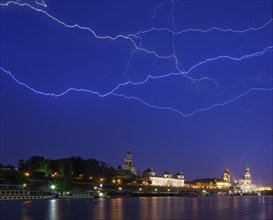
x=226, y=176
x=247, y=173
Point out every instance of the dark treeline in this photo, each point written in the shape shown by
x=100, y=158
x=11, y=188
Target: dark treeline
x=76, y=168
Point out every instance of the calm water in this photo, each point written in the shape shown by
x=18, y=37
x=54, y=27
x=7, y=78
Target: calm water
x=252, y=207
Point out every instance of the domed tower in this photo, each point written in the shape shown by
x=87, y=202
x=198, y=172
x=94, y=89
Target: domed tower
x=226, y=176
x=128, y=163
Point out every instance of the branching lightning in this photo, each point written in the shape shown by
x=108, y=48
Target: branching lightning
x=41, y=3
x=137, y=46
x=133, y=97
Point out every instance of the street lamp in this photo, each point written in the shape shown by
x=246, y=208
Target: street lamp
x=53, y=187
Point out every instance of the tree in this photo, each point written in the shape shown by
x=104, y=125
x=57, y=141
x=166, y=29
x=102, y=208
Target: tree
x=64, y=183
x=13, y=176
x=37, y=164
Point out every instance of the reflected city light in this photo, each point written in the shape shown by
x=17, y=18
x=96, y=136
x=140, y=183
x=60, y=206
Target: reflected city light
x=117, y=206
x=53, y=209
x=142, y=208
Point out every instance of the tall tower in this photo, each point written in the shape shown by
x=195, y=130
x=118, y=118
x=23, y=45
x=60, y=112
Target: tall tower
x=245, y=183
x=247, y=173
x=226, y=176
x=128, y=163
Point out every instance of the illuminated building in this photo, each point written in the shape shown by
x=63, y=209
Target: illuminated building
x=213, y=183
x=245, y=184
x=149, y=176
x=263, y=188
x=204, y=183
x=225, y=181
x=127, y=170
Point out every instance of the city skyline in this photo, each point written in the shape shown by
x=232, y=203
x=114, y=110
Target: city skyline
x=127, y=165
x=183, y=85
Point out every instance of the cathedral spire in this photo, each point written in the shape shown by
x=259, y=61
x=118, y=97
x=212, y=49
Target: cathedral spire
x=227, y=166
x=247, y=173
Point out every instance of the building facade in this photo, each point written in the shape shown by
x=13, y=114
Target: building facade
x=212, y=183
x=168, y=180
x=204, y=183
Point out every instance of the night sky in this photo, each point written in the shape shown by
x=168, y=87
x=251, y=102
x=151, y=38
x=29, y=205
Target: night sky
x=185, y=85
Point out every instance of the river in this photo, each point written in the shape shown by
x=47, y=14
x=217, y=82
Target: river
x=236, y=207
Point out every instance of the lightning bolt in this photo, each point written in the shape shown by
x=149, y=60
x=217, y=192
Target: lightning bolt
x=203, y=30
x=155, y=10
x=72, y=26
x=131, y=36
x=138, y=47
x=41, y=3
x=133, y=97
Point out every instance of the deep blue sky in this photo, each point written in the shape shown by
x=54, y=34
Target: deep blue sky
x=49, y=57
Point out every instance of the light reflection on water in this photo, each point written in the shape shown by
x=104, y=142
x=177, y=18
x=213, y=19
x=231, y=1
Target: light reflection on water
x=53, y=209
x=142, y=208
x=25, y=213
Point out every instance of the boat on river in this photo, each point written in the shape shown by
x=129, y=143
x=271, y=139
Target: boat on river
x=10, y=192
x=76, y=195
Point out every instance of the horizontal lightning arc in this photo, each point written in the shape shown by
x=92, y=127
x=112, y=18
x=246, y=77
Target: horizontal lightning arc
x=185, y=74
x=108, y=37
x=133, y=97
x=203, y=30
x=130, y=36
